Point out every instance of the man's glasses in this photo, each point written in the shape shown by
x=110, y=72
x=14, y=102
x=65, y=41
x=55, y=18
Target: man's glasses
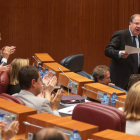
x=136, y=23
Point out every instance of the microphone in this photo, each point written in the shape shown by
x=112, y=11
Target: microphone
x=65, y=74
x=71, y=83
x=99, y=94
x=26, y=123
x=38, y=62
x=90, y=90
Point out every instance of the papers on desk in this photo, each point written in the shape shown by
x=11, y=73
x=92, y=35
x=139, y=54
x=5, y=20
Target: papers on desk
x=69, y=110
x=131, y=50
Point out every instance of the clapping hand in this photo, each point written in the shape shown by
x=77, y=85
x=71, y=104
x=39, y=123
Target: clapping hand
x=11, y=131
x=4, y=68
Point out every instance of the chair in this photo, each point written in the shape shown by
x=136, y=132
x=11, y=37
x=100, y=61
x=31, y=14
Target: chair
x=4, y=81
x=11, y=98
x=75, y=64
x=106, y=117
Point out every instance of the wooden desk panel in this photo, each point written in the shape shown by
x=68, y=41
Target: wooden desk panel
x=81, y=80
x=45, y=119
x=43, y=58
x=19, y=137
x=20, y=110
x=122, y=99
x=100, y=87
x=113, y=135
x=54, y=67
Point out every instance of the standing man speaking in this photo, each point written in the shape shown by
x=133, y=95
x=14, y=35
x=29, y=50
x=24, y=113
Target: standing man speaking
x=122, y=64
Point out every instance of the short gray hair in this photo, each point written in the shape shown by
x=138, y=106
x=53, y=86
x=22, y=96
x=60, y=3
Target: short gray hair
x=133, y=16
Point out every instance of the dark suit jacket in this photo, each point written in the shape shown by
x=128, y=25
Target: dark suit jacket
x=2, y=61
x=120, y=68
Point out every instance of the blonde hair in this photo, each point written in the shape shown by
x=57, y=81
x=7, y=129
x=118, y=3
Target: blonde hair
x=14, y=69
x=132, y=103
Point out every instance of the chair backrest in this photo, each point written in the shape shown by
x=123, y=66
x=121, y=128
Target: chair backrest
x=11, y=98
x=4, y=81
x=75, y=64
x=6, y=98
x=104, y=116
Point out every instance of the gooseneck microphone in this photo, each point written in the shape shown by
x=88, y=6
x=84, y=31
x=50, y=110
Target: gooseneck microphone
x=38, y=62
x=66, y=76
x=26, y=123
x=64, y=73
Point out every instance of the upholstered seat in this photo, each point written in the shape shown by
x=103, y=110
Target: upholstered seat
x=4, y=81
x=11, y=98
x=106, y=117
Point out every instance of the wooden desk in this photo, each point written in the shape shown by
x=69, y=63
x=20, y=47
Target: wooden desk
x=49, y=120
x=54, y=67
x=18, y=137
x=122, y=99
x=80, y=80
x=100, y=87
x=113, y=135
x=42, y=58
x=21, y=111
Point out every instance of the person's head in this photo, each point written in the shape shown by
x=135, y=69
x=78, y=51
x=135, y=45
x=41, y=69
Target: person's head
x=101, y=74
x=29, y=79
x=49, y=134
x=132, y=80
x=132, y=103
x=134, y=24
x=14, y=69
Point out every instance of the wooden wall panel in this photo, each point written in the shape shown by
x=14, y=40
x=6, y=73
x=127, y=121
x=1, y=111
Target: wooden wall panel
x=64, y=27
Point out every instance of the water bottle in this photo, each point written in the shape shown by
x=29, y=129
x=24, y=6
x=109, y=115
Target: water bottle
x=41, y=73
x=75, y=135
x=1, y=119
x=46, y=71
x=113, y=98
x=105, y=99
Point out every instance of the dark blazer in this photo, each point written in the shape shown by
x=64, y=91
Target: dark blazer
x=120, y=68
x=2, y=61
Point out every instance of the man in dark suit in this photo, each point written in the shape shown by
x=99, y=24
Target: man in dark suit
x=122, y=64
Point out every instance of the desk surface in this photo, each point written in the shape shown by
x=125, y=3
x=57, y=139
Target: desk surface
x=44, y=57
x=114, y=135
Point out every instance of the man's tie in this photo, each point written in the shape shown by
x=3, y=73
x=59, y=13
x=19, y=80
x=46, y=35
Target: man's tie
x=135, y=68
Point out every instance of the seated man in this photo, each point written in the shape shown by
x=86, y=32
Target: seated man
x=132, y=80
x=30, y=83
x=49, y=134
x=101, y=74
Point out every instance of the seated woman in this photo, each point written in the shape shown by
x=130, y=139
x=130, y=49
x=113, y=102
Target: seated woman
x=132, y=110
x=14, y=68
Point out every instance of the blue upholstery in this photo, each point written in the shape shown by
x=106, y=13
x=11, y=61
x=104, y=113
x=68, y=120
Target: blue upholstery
x=75, y=64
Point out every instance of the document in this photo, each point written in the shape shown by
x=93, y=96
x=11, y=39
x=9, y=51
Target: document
x=67, y=110
x=131, y=50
